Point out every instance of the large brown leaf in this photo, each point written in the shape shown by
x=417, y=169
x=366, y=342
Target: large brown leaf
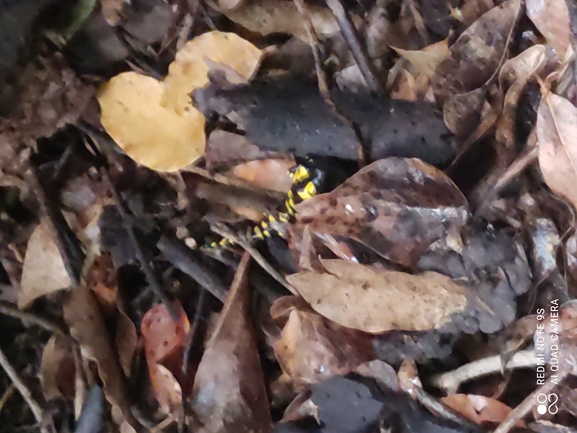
x=359, y=297
x=478, y=52
x=556, y=132
x=396, y=206
x=229, y=392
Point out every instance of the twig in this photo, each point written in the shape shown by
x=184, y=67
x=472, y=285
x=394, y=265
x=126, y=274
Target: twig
x=526, y=405
x=179, y=256
x=193, y=328
x=351, y=36
x=226, y=233
x=451, y=381
x=30, y=318
x=68, y=244
x=23, y=390
x=7, y=394
x=499, y=180
x=146, y=268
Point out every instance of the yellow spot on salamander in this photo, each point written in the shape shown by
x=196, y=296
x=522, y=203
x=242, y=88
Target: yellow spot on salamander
x=309, y=191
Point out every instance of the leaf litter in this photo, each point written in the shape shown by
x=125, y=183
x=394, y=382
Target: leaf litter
x=438, y=244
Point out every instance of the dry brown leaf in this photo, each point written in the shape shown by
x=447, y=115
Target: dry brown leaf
x=164, y=341
x=43, y=272
x=556, y=132
x=427, y=59
x=57, y=369
x=397, y=207
x=551, y=18
x=274, y=16
x=308, y=351
x=229, y=392
x=477, y=53
x=523, y=66
x=478, y=408
x=87, y=326
x=193, y=61
x=152, y=135
x=358, y=297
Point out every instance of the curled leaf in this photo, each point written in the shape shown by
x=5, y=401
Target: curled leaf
x=358, y=297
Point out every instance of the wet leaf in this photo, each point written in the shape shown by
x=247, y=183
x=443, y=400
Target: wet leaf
x=358, y=297
x=308, y=351
x=462, y=112
x=238, y=58
x=396, y=206
x=476, y=54
x=43, y=272
x=551, y=18
x=154, y=136
x=478, y=408
x=164, y=341
x=556, y=132
x=229, y=392
x=83, y=316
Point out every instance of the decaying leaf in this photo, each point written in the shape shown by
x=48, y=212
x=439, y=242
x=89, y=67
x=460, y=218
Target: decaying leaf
x=396, y=206
x=478, y=408
x=238, y=58
x=83, y=316
x=477, y=52
x=164, y=341
x=43, y=271
x=274, y=16
x=358, y=297
x=229, y=392
x=556, y=132
x=551, y=18
x=154, y=136
x=308, y=351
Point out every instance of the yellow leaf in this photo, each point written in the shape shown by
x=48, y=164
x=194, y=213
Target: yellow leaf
x=152, y=135
x=237, y=57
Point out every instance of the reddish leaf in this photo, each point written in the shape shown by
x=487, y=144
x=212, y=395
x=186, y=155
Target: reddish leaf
x=164, y=341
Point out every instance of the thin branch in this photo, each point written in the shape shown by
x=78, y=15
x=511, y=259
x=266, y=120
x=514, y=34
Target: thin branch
x=351, y=36
x=35, y=320
x=526, y=405
x=146, y=268
x=23, y=390
x=451, y=380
